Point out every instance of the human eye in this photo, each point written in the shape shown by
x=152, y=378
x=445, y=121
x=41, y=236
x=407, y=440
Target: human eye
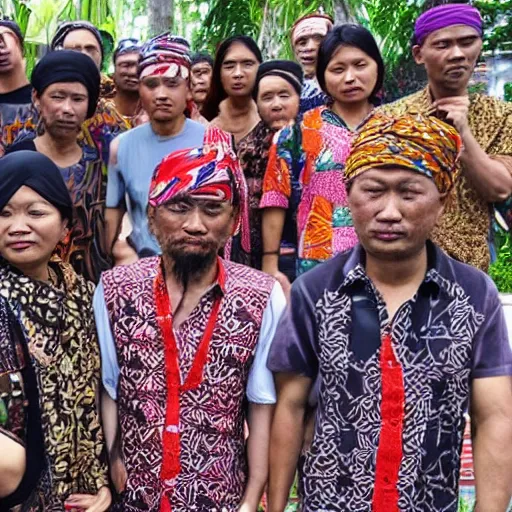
x=34, y=212
x=180, y=207
x=441, y=45
x=361, y=64
x=5, y=213
x=212, y=209
x=228, y=65
x=57, y=96
x=151, y=83
x=284, y=95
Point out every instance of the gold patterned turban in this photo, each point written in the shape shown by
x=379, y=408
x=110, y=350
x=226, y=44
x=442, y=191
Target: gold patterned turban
x=423, y=144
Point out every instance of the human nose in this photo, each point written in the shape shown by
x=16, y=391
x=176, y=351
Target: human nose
x=194, y=223
x=456, y=53
x=238, y=70
x=67, y=106
x=18, y=225
x=390, y=210
x=349, y=76
x=276, y=103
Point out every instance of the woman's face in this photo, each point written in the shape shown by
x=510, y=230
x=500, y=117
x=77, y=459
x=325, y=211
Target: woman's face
x=351, y=75
x=278, y=102
x=238, y=70
x=30, y=229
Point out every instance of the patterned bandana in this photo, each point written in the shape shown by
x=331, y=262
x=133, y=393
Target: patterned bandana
x=69, y=26
x=165, y=55
x=212, y=172
x=423, y=144
x=445, y=16
x=128, y=45
x=310, y=25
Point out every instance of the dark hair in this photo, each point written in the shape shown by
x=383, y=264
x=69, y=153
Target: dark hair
x=217, y=93
x=201, y=57
x=357, y=36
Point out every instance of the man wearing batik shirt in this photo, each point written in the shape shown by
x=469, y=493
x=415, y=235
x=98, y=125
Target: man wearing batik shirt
x=15, y=91
x=448, y=42
x=397, y=337
x=184, y=338
x=306, y=34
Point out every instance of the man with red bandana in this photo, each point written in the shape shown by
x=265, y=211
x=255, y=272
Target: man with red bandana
x=184, y=339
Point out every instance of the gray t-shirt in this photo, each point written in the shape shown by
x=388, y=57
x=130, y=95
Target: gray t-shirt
x=140, y=151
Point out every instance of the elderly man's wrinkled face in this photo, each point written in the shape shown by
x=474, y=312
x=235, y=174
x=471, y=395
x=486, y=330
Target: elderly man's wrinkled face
x=394, y=211
x=11, y=55
x=450, y=55
x=306, y=51
x=192, y=231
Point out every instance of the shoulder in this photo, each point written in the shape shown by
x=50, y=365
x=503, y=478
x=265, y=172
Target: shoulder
x=403, y=105
x=491, y=105
x=76, y=283
x=194, y=126
x=313, y=117
x=140, y=270
x=25, y=145
x=250, y=279
x=461, y=279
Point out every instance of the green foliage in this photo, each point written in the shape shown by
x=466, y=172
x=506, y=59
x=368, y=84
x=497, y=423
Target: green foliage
x=508, y=91
x=496, y=15
x=501, y=270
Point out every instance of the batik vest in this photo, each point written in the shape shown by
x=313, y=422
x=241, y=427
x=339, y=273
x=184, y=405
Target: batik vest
x=213, y=463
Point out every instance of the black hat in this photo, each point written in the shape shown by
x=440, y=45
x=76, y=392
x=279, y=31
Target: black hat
x=68, y=66
x=14, y=27
x=69, y=26
x=285, y=69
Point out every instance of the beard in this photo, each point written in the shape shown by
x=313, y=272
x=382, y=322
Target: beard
x=191, y=265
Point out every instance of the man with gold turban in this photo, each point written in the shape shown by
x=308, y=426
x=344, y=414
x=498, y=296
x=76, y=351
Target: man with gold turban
x=184, y=339
x=394, y=337
x=448, y=41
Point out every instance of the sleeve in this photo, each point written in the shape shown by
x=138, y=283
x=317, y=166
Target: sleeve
x=294, y=348
x=109, y=363
x=277, y=180
x=115, y=184
x=260, y=388
x=492, y=353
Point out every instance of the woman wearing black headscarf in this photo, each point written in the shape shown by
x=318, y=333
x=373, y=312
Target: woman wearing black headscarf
x=52, y=362
x=66, y=90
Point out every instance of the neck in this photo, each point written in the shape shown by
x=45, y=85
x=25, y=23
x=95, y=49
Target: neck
x=240, y=105
x=195, y=283
x=438, y=92
x=168, y=128
x=56, y=147
x=126, y=102
x=12, y=81
x=38, y=272
x=352, y=113
x=397, y=273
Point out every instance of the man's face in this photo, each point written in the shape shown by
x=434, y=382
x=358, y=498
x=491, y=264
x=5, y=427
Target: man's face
x=191, y=231
x=449, y=56
x=83, y=41
x=63, y=109
x=164, y=98
x=278, y=102
x=306, y=52
x=201, y=77
x=394, y=212
x=126, y=75
x=11, y=55
x=238, y=71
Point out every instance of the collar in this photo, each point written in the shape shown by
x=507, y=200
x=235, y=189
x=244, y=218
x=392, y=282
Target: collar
x=437, y=262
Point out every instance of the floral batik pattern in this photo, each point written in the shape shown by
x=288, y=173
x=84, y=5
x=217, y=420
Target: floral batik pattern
x=212, y=451
x=305, y=175
x=58, y=323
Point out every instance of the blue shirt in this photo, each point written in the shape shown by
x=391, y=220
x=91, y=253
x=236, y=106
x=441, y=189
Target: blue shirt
x=140, y=151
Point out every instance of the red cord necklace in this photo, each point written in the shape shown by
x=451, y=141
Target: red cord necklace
x=171, y=435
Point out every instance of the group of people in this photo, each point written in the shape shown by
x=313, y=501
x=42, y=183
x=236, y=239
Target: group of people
x=220, y=273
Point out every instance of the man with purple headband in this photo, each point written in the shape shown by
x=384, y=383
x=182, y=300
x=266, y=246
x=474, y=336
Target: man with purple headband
x=448, y=41
x=184, y=339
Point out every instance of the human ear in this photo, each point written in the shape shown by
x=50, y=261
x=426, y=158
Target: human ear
x=417, y=54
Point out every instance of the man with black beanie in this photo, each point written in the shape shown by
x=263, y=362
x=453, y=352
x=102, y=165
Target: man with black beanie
x=66, y=90
x=15, y=91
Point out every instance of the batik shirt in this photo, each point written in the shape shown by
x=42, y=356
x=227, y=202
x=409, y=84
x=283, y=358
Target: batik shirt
x=16, y=116
x=311, y=96
x=213, y=462
x=392, y=392
x=253, y=151
x=464, y=230
x=305, y=177
x=84, y=246
x=58, y=323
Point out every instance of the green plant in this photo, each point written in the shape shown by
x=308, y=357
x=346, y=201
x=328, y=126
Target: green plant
x=501, y=270
x=508, y=91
